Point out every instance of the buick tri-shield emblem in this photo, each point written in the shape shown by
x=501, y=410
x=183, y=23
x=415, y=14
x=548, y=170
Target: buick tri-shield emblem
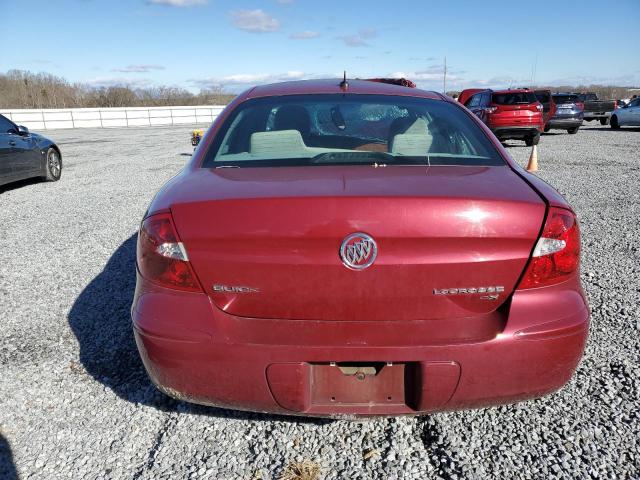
x=358, y=251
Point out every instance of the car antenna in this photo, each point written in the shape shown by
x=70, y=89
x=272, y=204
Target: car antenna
x=344, y=84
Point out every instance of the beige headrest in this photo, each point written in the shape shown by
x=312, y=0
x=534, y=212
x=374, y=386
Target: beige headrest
x=277, y=142
x=412, y=144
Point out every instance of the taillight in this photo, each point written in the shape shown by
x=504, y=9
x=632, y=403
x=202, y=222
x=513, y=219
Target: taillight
x=490, y=109
x=161, y=256
x=580, y=105
x=556, y=255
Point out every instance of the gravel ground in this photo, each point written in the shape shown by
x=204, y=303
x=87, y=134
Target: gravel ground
x=76, y=402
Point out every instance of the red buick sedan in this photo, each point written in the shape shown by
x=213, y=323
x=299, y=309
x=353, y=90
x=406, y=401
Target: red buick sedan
x=350, y=249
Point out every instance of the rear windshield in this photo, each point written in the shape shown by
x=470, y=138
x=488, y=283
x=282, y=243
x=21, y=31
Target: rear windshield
x=514, y=98
x=349, y=129
x=562, y=99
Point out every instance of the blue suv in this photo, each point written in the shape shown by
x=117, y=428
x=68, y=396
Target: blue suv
x=568, y=115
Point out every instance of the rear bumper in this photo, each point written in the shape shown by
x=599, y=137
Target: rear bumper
x=517, y=133
x=596, y=115
x=564, y=123
x=195, y=352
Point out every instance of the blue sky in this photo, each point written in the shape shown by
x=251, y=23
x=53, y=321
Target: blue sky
x=235, y=44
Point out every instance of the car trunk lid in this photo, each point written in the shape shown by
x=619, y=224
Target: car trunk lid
x=265, y=242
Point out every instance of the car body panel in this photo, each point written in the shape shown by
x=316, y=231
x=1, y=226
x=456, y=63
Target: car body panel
x=288, y=252
x=195, y=352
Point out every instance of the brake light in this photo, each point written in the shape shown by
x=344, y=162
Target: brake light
x=556, y=256
x=161, y=256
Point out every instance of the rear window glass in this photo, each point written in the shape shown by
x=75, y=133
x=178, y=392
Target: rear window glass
x=350, y=129
x=562, y=99
x=514, y=98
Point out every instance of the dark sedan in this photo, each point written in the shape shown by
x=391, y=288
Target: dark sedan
x=568, y=115
x=26, y=155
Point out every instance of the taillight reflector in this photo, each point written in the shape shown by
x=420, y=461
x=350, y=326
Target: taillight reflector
x=161, y=256
x=556, y=256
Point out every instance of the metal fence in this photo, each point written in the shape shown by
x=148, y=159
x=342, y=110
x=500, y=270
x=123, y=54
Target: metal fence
x=47, y=119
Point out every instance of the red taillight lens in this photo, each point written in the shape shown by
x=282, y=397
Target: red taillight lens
x=161, y=256
x=556, y=255
x=580, y=105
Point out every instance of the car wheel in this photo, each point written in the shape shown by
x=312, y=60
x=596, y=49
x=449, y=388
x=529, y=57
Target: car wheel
x=533, y=140
x=573, y=130
x=53, y=165
x=604, y=121
x=614, y=123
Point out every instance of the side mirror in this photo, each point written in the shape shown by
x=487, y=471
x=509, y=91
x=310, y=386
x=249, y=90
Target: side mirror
x=22, y=130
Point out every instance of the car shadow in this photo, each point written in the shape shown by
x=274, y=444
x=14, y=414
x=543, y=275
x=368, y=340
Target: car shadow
x=621, y=129
x=7, y=467
x=100, y=319
x=19, y=184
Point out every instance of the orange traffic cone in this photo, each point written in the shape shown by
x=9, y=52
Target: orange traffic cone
x=532, y=166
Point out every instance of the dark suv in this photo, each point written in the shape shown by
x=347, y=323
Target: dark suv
x=569, y=113
x=510, y=114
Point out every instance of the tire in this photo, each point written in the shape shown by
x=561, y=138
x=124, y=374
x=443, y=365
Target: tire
x=532, y=140
x=53, y=165
x=604, y=121
x=614, y=123
x=572, y=131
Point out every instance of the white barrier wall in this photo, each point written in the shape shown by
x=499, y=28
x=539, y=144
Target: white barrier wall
x=47, y=119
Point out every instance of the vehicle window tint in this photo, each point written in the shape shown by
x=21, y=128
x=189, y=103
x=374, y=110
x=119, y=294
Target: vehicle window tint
x=298, y=130
x=486, y=98
x=514, y=98
x=543, y=97
x=6, y=126
x=564, y=99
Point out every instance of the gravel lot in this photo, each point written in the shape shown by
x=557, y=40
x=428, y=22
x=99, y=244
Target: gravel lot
x=76, y=403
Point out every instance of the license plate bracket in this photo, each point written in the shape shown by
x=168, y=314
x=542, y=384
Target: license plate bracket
x=374, y=383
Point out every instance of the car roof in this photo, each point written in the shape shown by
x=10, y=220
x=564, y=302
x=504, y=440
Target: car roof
x=513, y=90
x=310, y=87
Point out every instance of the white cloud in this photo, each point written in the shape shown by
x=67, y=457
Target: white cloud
x=359, y=39
x=240, y=81
x=305, y=35
x=119, y=82
x=178, y=3
x=138, y=68
x=254, y=21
